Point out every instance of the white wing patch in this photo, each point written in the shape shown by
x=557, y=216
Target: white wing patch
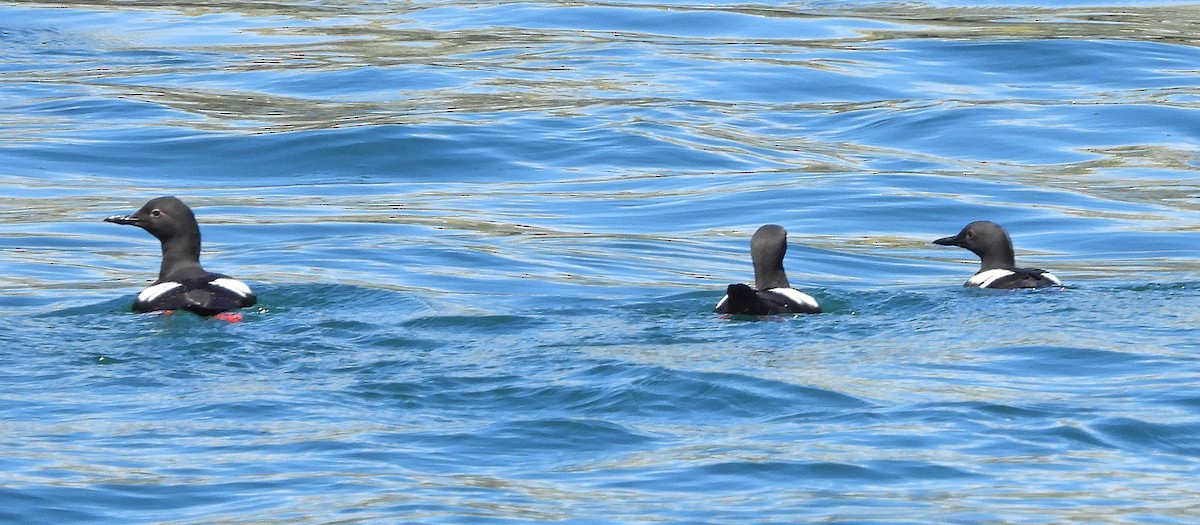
x=984, y=279
x=796, y=296
x=721, y=302
x=1051, y=276
x=232, y=285
x=156, y=291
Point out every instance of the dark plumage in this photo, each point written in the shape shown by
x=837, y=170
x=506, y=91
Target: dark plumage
x=182, y=283
x=774, y=295
x=997, y=268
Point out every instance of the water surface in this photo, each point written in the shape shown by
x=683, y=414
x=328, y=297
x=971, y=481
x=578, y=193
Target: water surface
x=487, y=237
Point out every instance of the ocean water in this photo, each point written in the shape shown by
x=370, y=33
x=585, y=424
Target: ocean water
x=487, y=238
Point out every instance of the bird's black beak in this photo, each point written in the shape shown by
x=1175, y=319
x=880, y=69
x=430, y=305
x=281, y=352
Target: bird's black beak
x=122, y=219
x=948, y=241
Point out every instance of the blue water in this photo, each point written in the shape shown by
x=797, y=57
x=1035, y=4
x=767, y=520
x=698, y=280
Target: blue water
x=487, y=238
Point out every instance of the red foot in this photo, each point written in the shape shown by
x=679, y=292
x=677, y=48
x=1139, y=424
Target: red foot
x=232, y=317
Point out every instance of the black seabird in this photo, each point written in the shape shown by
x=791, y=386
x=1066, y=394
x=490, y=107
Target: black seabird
x=182, y=283
x=774, y=295
x=998, y=269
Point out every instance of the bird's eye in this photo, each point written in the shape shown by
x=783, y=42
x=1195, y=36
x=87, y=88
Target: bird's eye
x=969, y=232
x=156, y=213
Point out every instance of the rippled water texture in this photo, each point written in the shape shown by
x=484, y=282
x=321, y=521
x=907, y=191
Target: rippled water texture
x=487, y=238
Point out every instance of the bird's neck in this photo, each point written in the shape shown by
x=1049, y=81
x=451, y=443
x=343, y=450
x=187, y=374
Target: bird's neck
x=768, y=276
x=998, y=257
x=179, y=254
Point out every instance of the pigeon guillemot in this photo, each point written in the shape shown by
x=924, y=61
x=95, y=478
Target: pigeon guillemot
x=998, y=269
x=182, y=283
x=774, y=295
